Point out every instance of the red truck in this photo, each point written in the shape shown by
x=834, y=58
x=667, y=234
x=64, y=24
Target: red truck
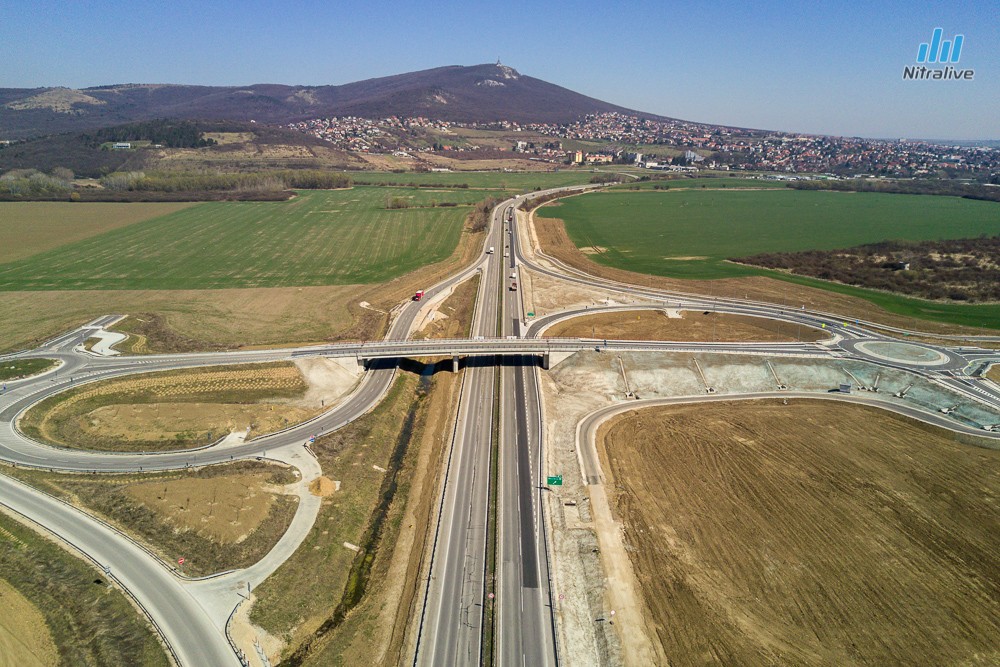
x=418, y=295
x=513, y=286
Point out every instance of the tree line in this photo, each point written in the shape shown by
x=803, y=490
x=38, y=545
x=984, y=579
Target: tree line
x=915, y=187
x=169, y=133
x=211, y=181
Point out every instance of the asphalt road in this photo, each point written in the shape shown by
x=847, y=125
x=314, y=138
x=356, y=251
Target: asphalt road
x=186, y=627
x=451, y=625
x=525, y=631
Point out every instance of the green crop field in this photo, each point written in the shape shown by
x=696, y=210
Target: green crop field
x=335, y=237
x=690, y=233
x=521, y=181
x=32, y=227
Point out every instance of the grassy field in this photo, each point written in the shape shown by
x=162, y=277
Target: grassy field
x=170, y=410
x=318, y=238
x=22, y=368
x=210, y=319
x=91, y=623
x=29, y=228
x=690, y=234
x=874, y=543
x=218, y=518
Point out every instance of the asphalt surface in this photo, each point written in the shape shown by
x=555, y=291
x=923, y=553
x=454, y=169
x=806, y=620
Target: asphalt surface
x=451, y=624
x=525, y=630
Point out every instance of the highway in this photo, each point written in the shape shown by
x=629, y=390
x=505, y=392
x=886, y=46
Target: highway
x=525, y=631
x=451, y=625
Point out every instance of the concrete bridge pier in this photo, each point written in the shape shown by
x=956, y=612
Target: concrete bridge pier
x=546, y=359
x=454, y=364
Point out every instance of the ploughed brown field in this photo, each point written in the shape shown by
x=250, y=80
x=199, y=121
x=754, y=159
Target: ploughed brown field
x=691, y=326
x=811, y=533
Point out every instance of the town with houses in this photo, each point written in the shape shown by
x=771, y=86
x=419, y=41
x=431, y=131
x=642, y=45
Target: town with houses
x=664, y=144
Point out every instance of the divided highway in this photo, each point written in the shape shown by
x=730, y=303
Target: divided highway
x=525, y=632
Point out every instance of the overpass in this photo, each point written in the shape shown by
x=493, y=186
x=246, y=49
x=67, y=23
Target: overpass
x=550, y=350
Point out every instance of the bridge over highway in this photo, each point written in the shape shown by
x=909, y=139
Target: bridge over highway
x=550, y=350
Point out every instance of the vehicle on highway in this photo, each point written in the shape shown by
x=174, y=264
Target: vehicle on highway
x=513, y=286
x=490, y=251
x=418, y=295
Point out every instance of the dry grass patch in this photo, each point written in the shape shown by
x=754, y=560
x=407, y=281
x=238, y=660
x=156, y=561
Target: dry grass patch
x=170, y=410
x=811, y=533
x=25, y=640
x=691, y=326
x=29, y=228
x=194, y=320
x=994, y=373
x=227, y=510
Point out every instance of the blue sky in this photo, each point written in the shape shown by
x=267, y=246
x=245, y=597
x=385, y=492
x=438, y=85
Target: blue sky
x=833, y=67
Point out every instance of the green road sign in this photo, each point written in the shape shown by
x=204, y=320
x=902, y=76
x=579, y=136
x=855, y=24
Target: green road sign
x=555, y=480
x=531, y=314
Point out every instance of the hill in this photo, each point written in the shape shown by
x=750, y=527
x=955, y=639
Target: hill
x=480, y=93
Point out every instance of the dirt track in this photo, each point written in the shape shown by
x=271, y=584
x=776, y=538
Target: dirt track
x=809, y=534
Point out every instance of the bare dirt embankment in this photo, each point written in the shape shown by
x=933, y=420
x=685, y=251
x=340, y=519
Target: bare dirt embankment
x=550, y=234
x=808, y=533
x=686, y=326
x=453, y=317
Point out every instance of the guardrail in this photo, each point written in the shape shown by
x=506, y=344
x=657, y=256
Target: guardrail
x=107, y=573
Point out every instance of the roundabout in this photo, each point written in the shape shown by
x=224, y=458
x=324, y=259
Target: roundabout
x=908, y=355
